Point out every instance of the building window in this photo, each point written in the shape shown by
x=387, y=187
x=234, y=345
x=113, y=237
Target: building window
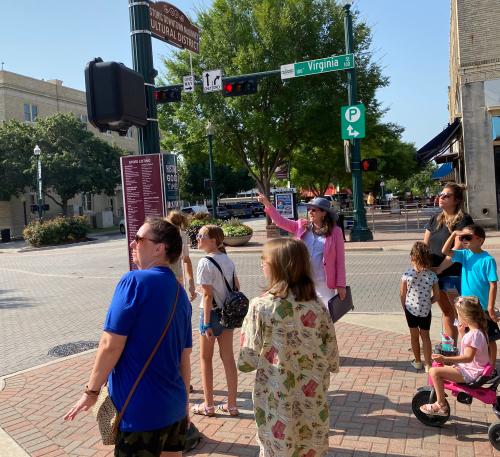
x=87, y=201
x=30, y=112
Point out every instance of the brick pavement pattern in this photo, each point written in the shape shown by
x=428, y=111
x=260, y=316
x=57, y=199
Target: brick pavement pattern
x=370, y=407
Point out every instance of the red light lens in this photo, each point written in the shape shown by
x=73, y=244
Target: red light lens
x=228, y=87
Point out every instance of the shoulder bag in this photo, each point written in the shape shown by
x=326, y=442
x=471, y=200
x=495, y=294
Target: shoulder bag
x=235, y=306
x=105, y=412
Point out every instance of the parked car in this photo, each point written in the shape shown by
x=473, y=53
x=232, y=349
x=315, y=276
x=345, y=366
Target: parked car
x=122, y=226
x=237, y=210
x=194, y=209
x=257, y=208
x=222, y=212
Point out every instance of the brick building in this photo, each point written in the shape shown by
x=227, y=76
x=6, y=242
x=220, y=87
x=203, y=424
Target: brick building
x=469, y=148
x=26, y=99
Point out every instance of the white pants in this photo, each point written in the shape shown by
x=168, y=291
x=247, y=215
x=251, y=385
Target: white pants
x=324, y=293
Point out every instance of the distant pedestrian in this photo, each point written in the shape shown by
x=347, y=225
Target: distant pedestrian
x=214, y=292
x=183, y=268
x=479, y=276
x=438, y=229
x=324, y=241
x=288, y=339
x=418, y=290
x=155, y=419
x=370, y=201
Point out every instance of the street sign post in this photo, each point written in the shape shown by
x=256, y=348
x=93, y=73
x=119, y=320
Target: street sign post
x=318, y=66
x=212, y=81
x=352, y=122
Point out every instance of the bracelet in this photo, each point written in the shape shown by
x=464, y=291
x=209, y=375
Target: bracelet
x=205, y=327
x=91, y=393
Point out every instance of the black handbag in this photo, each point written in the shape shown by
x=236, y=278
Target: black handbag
x=235, y=307
x=337, y=307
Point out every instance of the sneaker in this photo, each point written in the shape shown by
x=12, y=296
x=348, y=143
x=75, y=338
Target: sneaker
x=416, y=365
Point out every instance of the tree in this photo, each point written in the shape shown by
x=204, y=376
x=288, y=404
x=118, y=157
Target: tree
x=262, y=131
x=16, y=149
x=74, y=160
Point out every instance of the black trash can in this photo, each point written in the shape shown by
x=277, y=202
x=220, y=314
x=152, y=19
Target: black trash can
x=5, y=235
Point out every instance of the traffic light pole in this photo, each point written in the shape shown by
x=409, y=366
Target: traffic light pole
x=211, y=169
x=360, y=230
x=142, y=58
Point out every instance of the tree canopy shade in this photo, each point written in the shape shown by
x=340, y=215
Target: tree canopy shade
x=300, y=116
x=73, y=159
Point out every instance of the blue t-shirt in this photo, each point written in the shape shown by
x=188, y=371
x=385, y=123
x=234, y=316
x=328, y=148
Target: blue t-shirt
x=478, y=270
x=140, y=308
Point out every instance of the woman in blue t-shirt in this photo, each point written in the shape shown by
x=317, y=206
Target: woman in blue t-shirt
x=155, y=420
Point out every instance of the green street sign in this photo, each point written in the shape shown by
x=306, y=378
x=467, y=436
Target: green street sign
x=314, y=67
x=352, y=123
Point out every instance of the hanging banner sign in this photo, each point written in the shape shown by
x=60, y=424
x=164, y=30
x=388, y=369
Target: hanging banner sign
x=171, y=25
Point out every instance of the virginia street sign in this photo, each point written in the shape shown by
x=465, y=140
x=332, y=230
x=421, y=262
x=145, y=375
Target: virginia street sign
x=352, y=123
x=212, y=81
x=314, y=67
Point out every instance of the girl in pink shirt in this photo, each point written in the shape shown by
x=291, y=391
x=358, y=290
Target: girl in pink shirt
x=473, y=356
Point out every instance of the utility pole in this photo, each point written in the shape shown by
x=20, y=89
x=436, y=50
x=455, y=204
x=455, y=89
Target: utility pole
x=142, y=58
x=360, y=230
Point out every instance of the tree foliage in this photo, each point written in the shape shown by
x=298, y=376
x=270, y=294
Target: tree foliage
x=73, y=159
x=299, y=117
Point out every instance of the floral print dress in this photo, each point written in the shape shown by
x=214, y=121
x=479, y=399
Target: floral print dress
x=293, y=348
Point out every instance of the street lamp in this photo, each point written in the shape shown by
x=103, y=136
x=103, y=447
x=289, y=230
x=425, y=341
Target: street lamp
x=37, y=151
x=210, y=134
x=360, y=230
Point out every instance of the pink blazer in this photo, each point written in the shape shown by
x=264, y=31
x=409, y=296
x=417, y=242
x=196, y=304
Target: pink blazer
x=333, y=255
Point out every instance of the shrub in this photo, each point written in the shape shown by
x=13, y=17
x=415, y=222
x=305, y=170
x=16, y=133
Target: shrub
x=196, y=222
x=59, y=230
x=233, y=227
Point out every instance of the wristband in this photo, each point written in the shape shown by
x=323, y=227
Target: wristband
x=91, y=393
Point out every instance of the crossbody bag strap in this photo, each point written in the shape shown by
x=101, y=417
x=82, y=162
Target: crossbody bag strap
x=153, y=352
x=221, y=272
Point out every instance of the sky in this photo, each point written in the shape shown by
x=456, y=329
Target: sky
x=54, y=39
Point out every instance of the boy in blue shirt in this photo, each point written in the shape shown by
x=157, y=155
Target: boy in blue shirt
x=479, y=276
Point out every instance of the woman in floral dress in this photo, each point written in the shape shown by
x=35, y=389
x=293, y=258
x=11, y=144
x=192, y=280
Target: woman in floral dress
x=289, y=339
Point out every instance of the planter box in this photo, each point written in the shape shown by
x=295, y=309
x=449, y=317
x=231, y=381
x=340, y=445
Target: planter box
x=237, y=240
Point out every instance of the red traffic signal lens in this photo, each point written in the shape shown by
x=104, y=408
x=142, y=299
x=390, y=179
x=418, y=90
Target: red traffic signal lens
x=228, y=88
x=365, y=164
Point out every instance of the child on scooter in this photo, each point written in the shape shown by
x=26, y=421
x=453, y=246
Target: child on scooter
x=473, y=358
x=417, y=290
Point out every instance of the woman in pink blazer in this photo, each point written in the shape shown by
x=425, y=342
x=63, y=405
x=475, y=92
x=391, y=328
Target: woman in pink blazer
x=324, y=242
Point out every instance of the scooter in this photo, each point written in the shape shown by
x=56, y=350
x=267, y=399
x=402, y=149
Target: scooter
x=483, y=389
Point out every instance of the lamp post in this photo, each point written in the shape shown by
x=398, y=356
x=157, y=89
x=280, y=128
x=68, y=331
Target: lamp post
x=360, y=230
x=37, y=151
x=210, y=135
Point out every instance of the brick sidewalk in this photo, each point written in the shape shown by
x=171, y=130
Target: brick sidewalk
x=370, y=405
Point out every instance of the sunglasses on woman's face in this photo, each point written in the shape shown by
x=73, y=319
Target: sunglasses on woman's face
x=445, y=195
x=313, y=210
x=466, y=237
x=139, y=238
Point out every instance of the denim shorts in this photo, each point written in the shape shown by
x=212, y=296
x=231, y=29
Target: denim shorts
x=217, y=327
x=449, y=283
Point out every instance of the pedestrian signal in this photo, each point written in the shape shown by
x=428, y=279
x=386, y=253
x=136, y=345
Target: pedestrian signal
x=369, y=164
x=242, y=86
x=167, y=94
x=116, y=99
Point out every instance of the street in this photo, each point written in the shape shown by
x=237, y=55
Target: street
x=58, y=296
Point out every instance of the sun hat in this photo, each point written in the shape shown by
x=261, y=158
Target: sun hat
x=323, y=204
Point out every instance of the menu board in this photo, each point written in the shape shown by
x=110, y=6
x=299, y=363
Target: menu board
x=143, y=192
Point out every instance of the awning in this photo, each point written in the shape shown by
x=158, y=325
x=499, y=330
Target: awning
x=440, y=142
x=444, y=170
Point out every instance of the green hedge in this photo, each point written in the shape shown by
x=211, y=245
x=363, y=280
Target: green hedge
x=60, y=230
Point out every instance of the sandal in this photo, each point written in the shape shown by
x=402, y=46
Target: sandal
x=203, y=410
x=434, y=409
x=225, y=408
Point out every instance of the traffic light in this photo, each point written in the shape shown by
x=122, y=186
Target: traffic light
x=242, y=86
x=369, y=165
x=116, y=99
x=167, y=94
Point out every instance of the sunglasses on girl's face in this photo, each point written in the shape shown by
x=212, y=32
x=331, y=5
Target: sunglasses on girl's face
x=202, y=236
x=466, y=237
x=445, y=195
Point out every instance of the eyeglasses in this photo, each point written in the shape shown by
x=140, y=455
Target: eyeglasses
x=466, y=237
x=202, y=236
x=139, y=238
x=445, y=195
